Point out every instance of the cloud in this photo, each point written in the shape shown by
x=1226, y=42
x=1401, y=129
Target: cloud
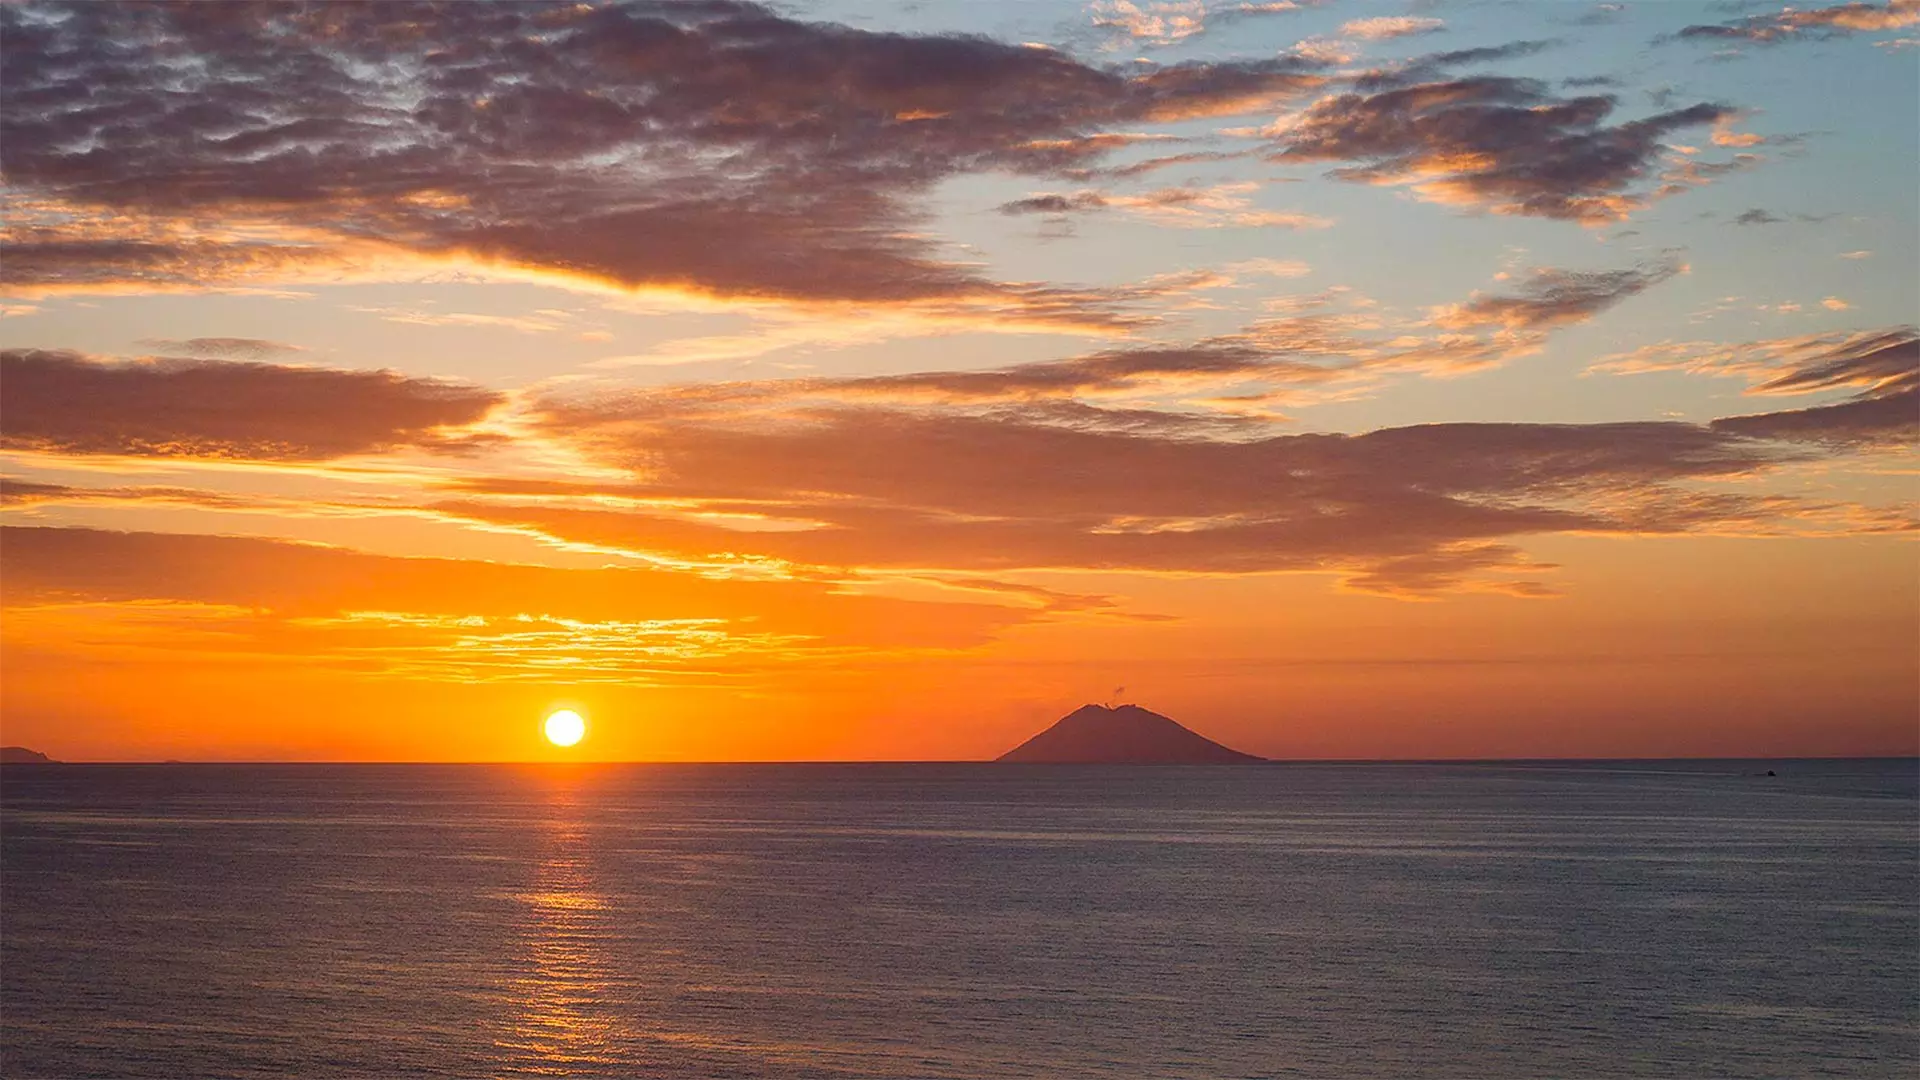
x=577, y=142
x=1811, y=24
x=1553, y=298
x=545, y=321
x=1876, y=362
x=1225, y=205
x=1724, y=135
x=1757, y=216
x=1686, y=172
x=1500, y=144
x=1419, y=577
x=1055, y=204
x=1884, y=419
x=1153, y=164
x=61, y=401
x=220, y=348
x=1227, y=359
x=1872, y=362
x=42, y=259
x=1219, y=206
x=24, y=493
x=1168, y=21
x=1391, y=27
x=1160, y=23
x=1284, y=268
x=913, y=484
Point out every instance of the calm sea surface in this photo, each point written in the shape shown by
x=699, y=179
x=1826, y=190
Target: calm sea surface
x=1652, y=919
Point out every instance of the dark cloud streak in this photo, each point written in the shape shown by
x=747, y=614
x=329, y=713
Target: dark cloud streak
x=1552, y=298
x=1504, y=144
x=1884, y=362
x=63, y=402
x=1887, y=419
x=1812, y=24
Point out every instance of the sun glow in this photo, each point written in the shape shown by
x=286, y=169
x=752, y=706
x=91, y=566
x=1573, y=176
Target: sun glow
x=565, y=727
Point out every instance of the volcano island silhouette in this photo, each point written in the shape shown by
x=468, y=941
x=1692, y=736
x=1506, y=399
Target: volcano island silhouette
x=1127, y=735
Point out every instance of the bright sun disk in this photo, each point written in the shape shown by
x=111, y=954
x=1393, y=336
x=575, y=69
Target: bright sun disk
x=565, y=727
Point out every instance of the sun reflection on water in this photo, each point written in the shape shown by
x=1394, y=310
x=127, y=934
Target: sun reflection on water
x=562, y=1023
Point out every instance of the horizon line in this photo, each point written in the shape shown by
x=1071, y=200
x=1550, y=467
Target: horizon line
x=1907, y=756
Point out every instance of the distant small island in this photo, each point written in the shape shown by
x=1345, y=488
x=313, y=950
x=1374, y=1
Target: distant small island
x=1129, y=734
x=20, y=755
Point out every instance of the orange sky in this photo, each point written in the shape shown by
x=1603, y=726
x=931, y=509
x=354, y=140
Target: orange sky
x=890, y=385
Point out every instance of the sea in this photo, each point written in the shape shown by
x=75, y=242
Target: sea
x=1516, y=919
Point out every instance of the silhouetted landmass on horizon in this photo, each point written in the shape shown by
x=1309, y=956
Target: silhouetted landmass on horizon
x=1095, y=734
x=20, y=755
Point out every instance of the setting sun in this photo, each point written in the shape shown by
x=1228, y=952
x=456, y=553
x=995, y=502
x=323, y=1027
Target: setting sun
x=566, y=727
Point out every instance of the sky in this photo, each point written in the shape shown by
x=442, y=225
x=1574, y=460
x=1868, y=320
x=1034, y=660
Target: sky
x=859, y=381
